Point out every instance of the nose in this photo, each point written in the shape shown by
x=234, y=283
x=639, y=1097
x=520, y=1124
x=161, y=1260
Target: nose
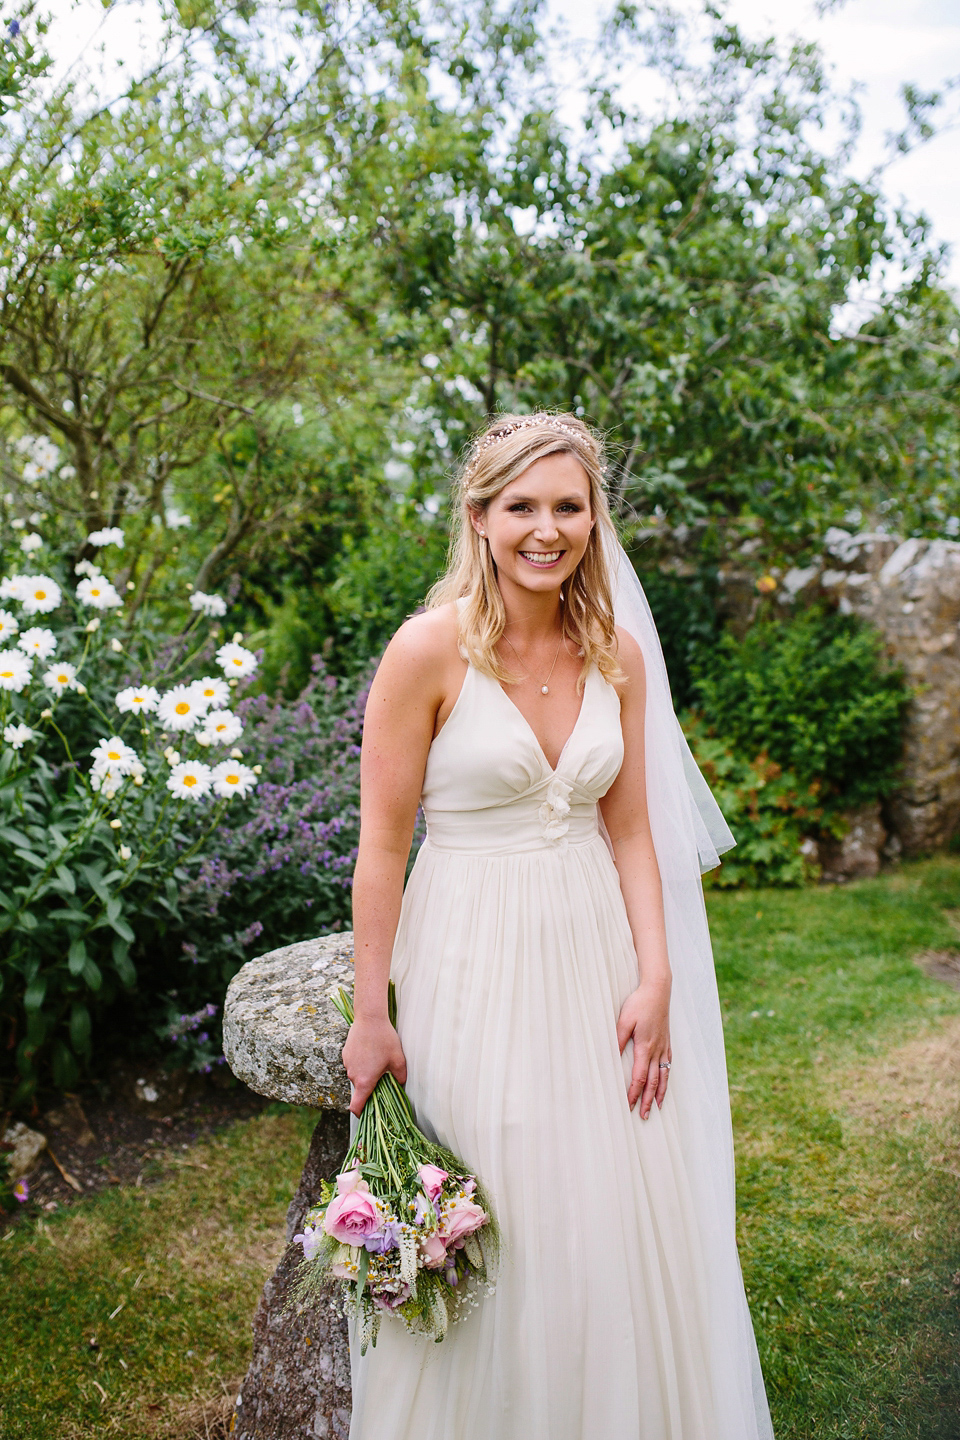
x=546, y=529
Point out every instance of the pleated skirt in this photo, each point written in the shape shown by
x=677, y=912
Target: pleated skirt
x=511, y=970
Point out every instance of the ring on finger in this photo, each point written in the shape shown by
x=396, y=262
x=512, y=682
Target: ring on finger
x=665, y=1064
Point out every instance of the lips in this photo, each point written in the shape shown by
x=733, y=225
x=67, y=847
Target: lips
x=543, y=558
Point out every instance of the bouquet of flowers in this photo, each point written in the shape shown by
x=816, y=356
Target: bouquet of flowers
x=403, y=1226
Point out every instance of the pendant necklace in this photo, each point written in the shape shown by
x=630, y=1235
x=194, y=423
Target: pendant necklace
x=545, y=687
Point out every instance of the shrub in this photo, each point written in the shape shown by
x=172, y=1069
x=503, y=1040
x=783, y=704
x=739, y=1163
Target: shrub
x=281, y=871
x=815, y=694
x=770, y=812
x=98, y=814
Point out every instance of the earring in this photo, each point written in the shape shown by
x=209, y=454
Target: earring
x=483, y=534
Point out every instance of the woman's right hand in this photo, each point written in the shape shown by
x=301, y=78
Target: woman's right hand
x=372, y=1048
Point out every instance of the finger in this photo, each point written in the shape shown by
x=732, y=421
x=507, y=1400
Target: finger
x=650, y=1088
x=623, y=1034
x=399, y=1070
x=662, y=1084
x=641, y=1062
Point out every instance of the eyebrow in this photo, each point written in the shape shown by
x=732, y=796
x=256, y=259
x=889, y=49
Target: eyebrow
x=564, y=500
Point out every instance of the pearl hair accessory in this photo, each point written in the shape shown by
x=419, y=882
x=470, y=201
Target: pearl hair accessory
x=528, y=422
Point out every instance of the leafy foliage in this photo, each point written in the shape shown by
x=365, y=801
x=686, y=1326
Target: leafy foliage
x=769, y=811
x=815, y=694
x=93, y=850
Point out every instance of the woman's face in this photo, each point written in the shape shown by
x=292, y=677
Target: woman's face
x=538, y=526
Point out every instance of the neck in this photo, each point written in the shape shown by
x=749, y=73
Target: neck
x=532, y=616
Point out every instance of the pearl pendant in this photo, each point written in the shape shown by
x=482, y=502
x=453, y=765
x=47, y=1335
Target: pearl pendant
x=544, y=689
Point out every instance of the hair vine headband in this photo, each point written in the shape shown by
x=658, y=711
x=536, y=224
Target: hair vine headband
x=528, y=422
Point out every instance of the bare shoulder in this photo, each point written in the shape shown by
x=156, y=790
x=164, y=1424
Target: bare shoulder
x=422, y=650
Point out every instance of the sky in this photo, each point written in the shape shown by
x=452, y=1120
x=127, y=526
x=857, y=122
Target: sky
x=877, y=45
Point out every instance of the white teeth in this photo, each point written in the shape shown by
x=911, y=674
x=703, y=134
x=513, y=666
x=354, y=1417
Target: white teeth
x=540, y=557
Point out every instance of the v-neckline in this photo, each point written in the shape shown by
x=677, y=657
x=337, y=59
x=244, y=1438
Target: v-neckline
x=553, y=769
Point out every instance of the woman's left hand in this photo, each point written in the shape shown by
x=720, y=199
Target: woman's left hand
x=645, y=1019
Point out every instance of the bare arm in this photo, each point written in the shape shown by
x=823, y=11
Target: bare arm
x=407, y=693
x=644, y=1016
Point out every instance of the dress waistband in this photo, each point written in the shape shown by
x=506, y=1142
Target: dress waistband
x=551, y=824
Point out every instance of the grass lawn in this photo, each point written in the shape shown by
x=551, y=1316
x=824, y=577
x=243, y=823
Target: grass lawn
x=845, y=1068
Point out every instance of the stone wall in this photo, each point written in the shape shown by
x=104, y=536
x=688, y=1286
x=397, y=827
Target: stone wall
x=910, y=591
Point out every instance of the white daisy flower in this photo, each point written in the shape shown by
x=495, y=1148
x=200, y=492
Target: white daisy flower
x=211, y=690
x=223, y=727
x=30, y=542
x=38, y=641
x=230, y=778
x=111, y=536
x=190, y=780
x=38, y=594
x=235, y=661
x=108, y=780
x=14, y=670
x=137, y=698
x=180, y=709
x=17, y=736
x=11, y=587
x=61, y=677
x=9, y=625
x=212, y=605
x=87, y=567
x=113, y=755
x=96, y=591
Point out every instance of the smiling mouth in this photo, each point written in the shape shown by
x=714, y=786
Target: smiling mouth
x=543, y=558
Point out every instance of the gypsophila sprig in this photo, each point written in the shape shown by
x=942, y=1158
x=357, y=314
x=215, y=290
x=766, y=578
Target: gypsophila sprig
x=405, y=1227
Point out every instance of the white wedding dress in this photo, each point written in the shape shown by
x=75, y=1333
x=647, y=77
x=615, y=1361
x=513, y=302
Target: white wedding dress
x=619, y=1312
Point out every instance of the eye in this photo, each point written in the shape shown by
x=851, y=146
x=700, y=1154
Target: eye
x=519, y=505
x=569, y=507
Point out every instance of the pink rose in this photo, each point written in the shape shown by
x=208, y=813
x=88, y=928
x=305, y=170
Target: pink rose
x=349, y=1180
x=389, y=1300
x=434, y=1252
x=351, y=1218
x=432, y=1178
x=460, y=1220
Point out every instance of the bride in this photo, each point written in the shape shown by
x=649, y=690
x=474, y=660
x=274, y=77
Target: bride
x=558, y=1022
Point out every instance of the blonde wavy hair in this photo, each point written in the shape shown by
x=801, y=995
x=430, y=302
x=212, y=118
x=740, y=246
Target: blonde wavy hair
x=499, y=455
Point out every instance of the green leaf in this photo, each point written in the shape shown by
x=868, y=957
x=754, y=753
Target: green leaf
x=122, y=963
x=123, y=929
x=66, y=880
x=114, y=908
x=13, y=837
x=65, y=1069
x=31, y=859
x=35, y=993
x=27, y=919
x=76, y=957
x=92, y=975
x=80, y=1027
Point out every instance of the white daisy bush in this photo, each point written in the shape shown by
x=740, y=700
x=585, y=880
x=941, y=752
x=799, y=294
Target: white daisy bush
x=108, y=787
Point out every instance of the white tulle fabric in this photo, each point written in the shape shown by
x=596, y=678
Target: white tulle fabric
x=620, y=1309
